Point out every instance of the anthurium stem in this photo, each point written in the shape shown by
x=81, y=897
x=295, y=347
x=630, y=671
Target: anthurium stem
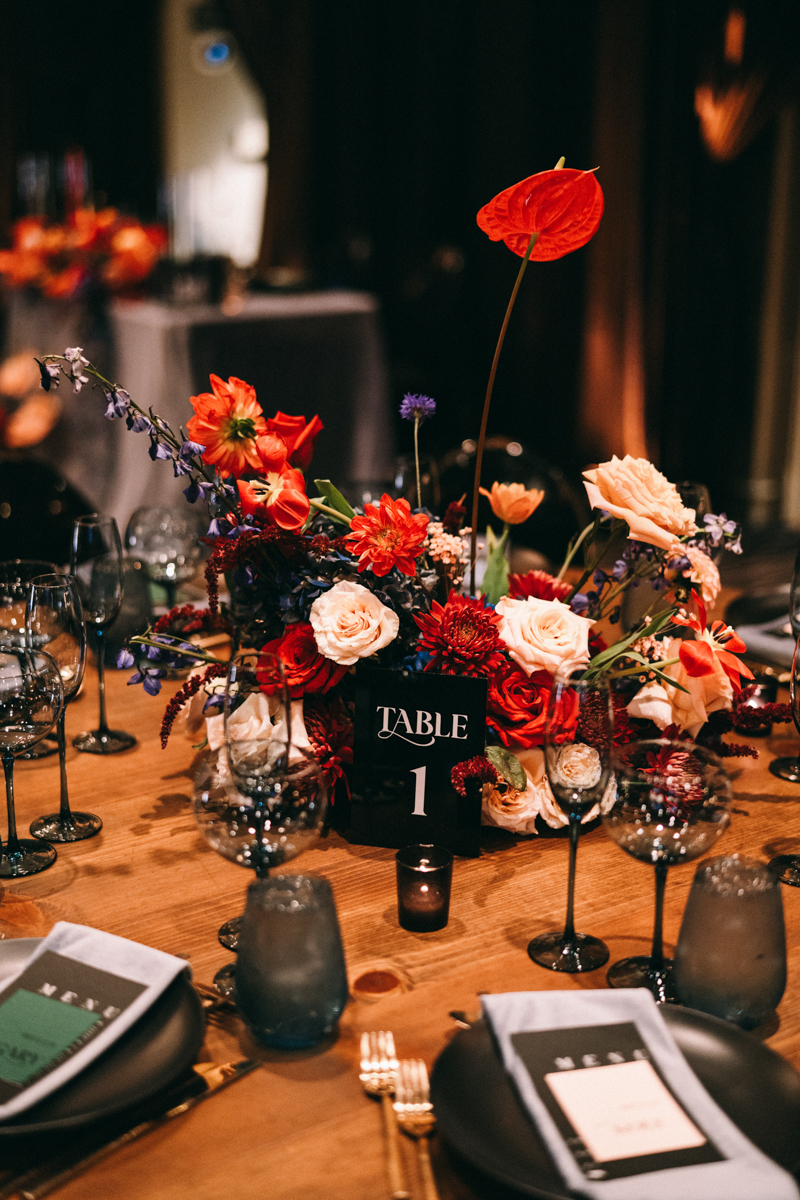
x=473, y=549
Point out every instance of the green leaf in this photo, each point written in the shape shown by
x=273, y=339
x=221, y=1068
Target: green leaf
x=507, y=765
x=333, y=497
x=495, y=580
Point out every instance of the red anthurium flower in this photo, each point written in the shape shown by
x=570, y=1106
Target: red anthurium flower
x=563, y=207
x=389, y=536
x=279, y=498
x=227, y=422
x=298, y=435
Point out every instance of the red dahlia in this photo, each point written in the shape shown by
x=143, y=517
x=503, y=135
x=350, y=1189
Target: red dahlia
x=389, y=536
x=330, y=732
x=539, y=585
x=462, y=637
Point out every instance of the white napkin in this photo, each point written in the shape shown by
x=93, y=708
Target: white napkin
x=746, y=1173
x=131, y=964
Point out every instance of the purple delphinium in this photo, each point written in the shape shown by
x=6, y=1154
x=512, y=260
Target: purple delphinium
x=417, y=408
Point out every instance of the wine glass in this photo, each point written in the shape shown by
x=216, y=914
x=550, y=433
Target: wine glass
x=54, y=620
x=15, y=576
x=787, y=866
x=96, y=563
x=31, y=696
x=672, y=803
x=165, y=540
x=260, y=800
x=577, y=752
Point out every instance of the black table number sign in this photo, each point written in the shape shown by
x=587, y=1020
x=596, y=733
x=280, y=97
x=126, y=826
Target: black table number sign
x=411, y=728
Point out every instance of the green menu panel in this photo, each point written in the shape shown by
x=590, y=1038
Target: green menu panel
x=35, y=1030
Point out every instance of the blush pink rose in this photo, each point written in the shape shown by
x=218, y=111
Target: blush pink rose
x=632, y=489
x=350, y=623
x=543, y=635
x=689, y=710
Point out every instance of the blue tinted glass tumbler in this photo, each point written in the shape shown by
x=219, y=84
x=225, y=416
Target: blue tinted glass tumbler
x=291, y=980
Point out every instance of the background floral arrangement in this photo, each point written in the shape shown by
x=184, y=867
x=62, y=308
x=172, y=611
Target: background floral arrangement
x=325, y=587
x=92, y=248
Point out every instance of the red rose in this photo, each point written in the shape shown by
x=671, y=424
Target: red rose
x=298, y=436
x=517, y=704
x=306, y=669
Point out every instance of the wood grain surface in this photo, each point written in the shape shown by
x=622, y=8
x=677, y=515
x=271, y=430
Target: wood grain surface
x=300, y=1127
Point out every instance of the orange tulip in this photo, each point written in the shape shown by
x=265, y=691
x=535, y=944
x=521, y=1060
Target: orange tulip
x=512, y=503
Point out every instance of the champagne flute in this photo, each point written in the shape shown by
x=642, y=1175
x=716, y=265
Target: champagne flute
x=96, y=562
x=54, y=619
x=15, y=576
x=672, y=803
x=31, y=697
x=577, y=751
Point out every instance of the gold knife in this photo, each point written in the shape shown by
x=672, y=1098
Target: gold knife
x=41, y=1181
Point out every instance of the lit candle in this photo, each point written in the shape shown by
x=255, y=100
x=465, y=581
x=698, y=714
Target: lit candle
x=423, y=887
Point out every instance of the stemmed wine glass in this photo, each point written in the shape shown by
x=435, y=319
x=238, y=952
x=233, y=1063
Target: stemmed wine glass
x=31, y=696
x=787, y=866
x=165, y=541
x=672, y=804
x=577, y=750
x=15, y=577
x=96, y=562
x=261, y=801
x=54, y=620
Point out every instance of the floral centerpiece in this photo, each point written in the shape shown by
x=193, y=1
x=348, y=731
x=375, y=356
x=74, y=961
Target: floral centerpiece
x=326, y=587
x=91, y=248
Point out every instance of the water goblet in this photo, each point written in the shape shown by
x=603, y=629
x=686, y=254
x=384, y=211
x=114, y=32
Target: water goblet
x=54, y=620
x=788, y=767
x=672, y=803
x=96, y=563
x=15, y=577
x=165, y=541
x=31, y=697
x=577, y=754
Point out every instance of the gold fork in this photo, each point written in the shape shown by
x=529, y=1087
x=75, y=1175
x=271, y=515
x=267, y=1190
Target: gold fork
x=415, y=1116
x=378, y=1075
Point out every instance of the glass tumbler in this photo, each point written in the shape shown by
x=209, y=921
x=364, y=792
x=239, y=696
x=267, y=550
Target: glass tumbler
x=730, y=959
x=291, y=980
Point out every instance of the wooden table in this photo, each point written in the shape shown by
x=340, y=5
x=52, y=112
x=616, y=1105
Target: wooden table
x=300, y=1127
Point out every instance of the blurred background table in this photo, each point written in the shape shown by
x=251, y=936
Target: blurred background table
x=302, y=1122
x=310, y=352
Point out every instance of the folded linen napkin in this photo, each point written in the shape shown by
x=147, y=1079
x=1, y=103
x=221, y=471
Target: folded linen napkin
x=617, y=1105
x=770, y=641
x=77, y=993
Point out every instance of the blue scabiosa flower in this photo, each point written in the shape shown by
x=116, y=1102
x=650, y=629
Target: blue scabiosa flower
x=417, y=408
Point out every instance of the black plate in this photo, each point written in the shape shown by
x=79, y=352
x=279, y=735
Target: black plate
x=480, y=1115
x=152, y=1054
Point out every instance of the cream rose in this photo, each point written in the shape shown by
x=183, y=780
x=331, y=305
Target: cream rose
x=689, y=710
x=704, y=571
x=249, y=721
x=517, y=811
x=578, y=766
x=632, y=488
x=543, y=635
x=350, y=623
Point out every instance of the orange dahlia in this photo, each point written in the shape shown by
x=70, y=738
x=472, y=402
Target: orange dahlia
x=462, y=636
x=227, y=423
x=389, y=536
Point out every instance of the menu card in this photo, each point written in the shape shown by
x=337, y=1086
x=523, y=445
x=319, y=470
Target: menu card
x=618, y=1107
x=77, y=993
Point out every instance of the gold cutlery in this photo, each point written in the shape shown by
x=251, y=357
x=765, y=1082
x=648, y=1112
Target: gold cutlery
x=415, y=1116
x=378, y=1075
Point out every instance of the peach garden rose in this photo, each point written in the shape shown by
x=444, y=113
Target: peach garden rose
x=543, y=635
x=350, y=623
x=632, y=489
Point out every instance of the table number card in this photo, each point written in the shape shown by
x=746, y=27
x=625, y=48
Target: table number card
x=610, y=1102
x=411, y=728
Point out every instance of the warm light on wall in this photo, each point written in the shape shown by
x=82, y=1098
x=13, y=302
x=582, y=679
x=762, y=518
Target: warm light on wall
x=725, y=109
